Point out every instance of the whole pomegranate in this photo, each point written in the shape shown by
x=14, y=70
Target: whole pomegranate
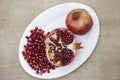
x=61, y=47
x=79, y=21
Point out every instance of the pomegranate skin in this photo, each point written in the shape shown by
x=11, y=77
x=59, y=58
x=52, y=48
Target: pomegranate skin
x=82, y=24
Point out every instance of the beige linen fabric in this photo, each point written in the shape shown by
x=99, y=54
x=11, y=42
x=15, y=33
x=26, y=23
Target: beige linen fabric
x=103, y=64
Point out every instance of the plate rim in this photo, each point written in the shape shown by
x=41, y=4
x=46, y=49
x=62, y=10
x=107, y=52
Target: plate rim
x=46, y=12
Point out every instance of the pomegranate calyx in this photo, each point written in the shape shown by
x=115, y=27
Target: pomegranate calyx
x=76, y=15
x=78, y=45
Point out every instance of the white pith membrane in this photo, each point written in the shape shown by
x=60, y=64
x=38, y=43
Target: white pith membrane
x=57, y=45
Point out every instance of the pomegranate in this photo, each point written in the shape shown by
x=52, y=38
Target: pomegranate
x=79, y=21
x=61, y=47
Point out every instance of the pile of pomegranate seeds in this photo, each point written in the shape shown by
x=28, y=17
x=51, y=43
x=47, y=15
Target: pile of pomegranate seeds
x=34, y=52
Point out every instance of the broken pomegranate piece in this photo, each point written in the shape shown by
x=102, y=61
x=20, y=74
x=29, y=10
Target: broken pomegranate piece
x=65, y=46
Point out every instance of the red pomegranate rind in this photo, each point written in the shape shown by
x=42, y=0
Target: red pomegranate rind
x=34, y=52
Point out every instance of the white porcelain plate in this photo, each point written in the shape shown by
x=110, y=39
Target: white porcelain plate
x=54, y=18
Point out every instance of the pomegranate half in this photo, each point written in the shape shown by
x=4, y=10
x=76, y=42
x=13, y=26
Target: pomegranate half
x=61, y=47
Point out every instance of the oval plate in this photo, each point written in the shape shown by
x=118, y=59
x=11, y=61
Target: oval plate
x=54, y=18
